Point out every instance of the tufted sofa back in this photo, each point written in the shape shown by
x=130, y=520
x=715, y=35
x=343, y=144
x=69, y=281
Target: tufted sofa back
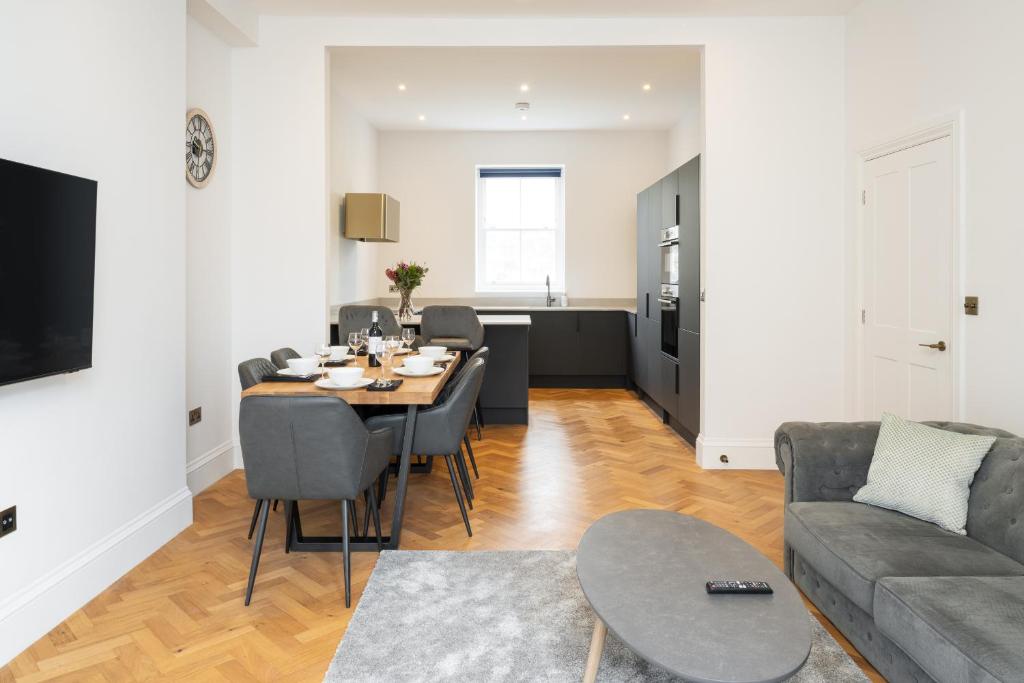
x=995, y=513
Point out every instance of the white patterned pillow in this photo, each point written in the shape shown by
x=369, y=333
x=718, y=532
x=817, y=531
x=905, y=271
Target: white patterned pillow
x=924, y=472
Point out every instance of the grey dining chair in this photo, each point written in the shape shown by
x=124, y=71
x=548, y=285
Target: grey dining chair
x=483, y=353
x=310, y=448
x=458, y=328
x=353, y=318
x=440, y=430
x=250, y=373
x=281, y=357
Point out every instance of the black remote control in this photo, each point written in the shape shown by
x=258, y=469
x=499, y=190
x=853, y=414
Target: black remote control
x=743, y=587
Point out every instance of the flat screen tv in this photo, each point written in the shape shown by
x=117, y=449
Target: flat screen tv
x=47, y=268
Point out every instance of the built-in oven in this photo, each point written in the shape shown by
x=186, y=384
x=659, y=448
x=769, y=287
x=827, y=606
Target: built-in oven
x=669, y=302
x=670, y=255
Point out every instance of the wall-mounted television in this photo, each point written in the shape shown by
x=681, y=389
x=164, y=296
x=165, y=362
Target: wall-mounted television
x=47, y=271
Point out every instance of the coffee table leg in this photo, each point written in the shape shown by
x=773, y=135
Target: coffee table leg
x=596, y=648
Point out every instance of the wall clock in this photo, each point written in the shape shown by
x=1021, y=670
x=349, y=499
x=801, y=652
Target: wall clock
x=200, y=148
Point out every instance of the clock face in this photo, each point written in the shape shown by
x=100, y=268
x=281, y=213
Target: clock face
x=200, y=148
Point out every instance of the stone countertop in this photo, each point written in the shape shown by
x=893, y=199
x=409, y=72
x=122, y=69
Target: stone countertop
x=485, y=320
x=483, y=305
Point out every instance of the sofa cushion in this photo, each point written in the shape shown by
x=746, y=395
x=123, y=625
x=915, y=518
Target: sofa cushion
x=924, y=472
x=956, y=628
x=852, y=545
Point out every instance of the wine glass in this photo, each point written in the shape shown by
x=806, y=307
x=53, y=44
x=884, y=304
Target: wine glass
x=355, y=342
x=408, y=336
x=323, y=352
x=384, y=355
x=364, y=334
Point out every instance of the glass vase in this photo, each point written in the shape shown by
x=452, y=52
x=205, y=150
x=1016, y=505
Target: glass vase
x=405, y=310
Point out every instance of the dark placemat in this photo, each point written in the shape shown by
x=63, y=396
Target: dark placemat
x=395, y=383
x=290, y=378
x=336, y=363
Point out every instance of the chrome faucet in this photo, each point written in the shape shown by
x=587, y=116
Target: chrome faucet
x=550, y=300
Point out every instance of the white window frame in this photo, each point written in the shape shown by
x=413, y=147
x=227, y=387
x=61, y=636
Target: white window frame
x=557, y=278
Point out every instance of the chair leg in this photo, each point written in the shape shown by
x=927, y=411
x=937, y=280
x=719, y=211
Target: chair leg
x=467, y=486
x=458, y=493
x=366, y=510
x=472, y=459
x=352, y=515
x=256, y=550
x=289, y=509
x=346, y=556
x=383, y=486
x=479, y=419
x=375, y=509
x=276, y=501
x=255, y=516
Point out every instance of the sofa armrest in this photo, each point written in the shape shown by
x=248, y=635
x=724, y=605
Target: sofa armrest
x=826, y=461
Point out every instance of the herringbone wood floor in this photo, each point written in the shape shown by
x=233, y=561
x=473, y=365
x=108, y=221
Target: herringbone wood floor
x=179, y=614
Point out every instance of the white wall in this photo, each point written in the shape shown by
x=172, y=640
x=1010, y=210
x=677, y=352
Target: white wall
x=353, y=167
x=774, y=128
x=686, y=137
x=94, y=460
x=210, y=382
x=433, y=175
x=910, y=64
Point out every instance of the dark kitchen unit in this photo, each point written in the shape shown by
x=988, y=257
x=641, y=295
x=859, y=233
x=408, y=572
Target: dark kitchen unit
x=665, y=331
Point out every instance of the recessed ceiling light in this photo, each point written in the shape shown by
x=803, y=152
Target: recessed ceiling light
x=523, y=117
x=647, y=86
x=625, y=117
x=421, y=117
x=401, y=86
x=525, y=87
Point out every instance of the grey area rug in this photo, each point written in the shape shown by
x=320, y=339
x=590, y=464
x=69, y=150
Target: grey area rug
x=501, y=616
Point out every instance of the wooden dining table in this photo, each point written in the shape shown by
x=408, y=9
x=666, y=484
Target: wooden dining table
x=412, y=394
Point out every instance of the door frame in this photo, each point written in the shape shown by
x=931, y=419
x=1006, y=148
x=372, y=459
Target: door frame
x=951, y=127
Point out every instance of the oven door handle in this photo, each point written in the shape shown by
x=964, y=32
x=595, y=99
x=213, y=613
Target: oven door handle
x=667, y=301
x=669, y=243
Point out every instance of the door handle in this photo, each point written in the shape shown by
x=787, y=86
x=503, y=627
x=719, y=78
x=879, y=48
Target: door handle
x=940, y=346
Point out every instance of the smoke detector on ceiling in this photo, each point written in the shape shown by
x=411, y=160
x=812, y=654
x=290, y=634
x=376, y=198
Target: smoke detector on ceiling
x=522, y=106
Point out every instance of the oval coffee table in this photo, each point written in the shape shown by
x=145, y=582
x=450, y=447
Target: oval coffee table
x=643, y=572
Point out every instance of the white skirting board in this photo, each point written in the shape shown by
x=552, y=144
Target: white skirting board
x=743, y=454
x=210, y=467
x=30, y=613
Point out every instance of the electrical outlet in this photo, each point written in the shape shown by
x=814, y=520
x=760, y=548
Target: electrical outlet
x=9, y=520
x=195, y=416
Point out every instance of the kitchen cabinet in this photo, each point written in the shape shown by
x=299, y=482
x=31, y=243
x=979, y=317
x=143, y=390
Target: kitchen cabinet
x=643, y=254
x=688, y=400
x=668, y=215
x=569, y=348
x=553, y=343
x=650, y=246
x=638, y=344
x=689, y=245
x=672, y=383
x=602, y=343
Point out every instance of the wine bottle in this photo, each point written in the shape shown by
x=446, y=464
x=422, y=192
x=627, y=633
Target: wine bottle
x=374, y=343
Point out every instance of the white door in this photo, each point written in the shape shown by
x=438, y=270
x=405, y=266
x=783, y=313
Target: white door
x=909, y=283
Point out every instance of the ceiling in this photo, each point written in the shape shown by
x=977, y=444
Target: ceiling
x=477, y=88
x=556, y=8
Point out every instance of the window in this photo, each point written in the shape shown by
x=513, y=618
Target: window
x=520, y=229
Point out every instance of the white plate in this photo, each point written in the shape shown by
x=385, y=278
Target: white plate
x=402, y=350
x=441, y=359
x=329, y=384
x=292, y=373
x=335, y=360
x=409, y=373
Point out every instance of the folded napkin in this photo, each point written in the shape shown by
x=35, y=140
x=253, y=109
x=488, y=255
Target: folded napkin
x=395, y=383
x=290, y=378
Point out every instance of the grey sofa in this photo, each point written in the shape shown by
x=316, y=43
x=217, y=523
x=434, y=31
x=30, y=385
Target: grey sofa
x=920, y=603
